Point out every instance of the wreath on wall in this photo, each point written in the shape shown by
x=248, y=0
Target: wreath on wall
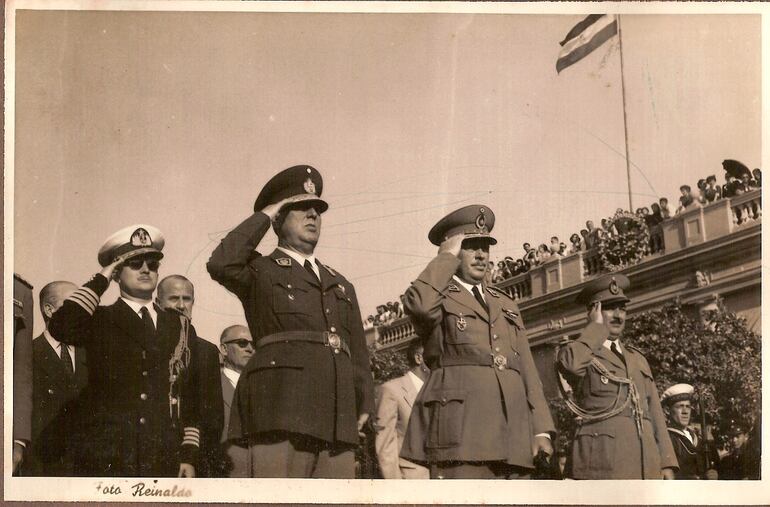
x=625, y=242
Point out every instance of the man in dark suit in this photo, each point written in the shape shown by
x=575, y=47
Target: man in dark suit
x=237, y=348
x=308, y=390
x=22, y=372
x=177, y=292
x=139, y=416
x=622, y=430
x=59, y=373
x=482, y=413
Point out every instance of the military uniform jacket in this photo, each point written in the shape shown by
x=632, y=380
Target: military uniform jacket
x=611, y=449
x=54, y=393
x=205, y=382
x=690, y=456
x=126, y=424
x=472, y=412
x=294, y=386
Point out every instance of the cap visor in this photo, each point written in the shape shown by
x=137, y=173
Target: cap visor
x=143, y=251
x=492, y=241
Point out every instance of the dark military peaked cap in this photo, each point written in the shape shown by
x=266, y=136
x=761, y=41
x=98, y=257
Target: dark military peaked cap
x=605, y=289
x=474, y=221
x=299, y=181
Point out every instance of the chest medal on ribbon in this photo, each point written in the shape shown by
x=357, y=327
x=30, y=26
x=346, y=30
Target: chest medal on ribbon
x=461, y=323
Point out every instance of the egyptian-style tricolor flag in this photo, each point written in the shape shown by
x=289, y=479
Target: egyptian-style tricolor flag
x=584, y=37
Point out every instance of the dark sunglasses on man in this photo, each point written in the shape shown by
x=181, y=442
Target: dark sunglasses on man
x=136, y=263
x=240, y=343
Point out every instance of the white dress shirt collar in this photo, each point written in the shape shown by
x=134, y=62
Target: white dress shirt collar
x=231, y=375
x=137, y=307
x=469, y=287
x=56, y=346
x=300, y=258
x=608, y=345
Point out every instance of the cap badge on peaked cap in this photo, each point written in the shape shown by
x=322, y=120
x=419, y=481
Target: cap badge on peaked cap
x=614, y=289
x=309, y=186
x=481, y=220
x=141, y=237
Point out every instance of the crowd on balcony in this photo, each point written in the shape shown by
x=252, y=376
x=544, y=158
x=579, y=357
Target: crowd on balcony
x=386, y=314
x=738, y=180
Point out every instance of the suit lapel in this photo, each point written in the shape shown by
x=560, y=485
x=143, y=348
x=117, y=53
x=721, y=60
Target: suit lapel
x=127, y=319
x=51, y=361
x=227, y=391
x=410, y=393
x=296, y=269
x=494, y=304
x=466, y=299
x=610, y=356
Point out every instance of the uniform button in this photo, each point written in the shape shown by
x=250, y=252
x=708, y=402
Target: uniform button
x=144, y=374
x=491, y=325
x=494, y=337
x=143, y=396
x=336, y=351
x=333, y=329
x=172, y=378
x=328, y=311
x=443, y=401
x=288, y=286
x=50, y=391
x=272, y=363
x=291, y=297
x=142, y=420
x=172, y=401
x=497, y=349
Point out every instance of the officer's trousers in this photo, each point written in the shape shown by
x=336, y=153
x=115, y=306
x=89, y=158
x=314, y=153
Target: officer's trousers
x=280, y=454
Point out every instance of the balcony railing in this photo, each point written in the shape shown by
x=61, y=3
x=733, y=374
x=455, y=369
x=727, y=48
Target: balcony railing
x=684, y=230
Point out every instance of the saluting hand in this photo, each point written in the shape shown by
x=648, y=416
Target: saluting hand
x=452, y=244
x=595, y=315
x=110, y=268
x=272, y=210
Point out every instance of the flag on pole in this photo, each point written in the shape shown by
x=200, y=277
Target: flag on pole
x=584, y=37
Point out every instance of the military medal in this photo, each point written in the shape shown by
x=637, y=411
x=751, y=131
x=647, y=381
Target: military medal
x=604, y=379
x=499, y=361
x=461, y=323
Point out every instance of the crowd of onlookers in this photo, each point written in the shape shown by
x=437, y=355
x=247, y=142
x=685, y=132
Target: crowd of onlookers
x=738, y=180
x=386, y=314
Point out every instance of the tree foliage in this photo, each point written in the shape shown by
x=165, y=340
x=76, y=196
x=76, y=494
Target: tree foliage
x=721, y=359
x=387, y=364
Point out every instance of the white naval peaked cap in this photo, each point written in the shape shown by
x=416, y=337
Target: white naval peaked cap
x=132, y=241
x=677, y=392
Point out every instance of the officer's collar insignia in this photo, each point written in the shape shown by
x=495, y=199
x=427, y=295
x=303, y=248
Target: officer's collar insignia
x=453, y=288
x=309, y=186
x=510, y=313
x=481, y=220
x=283, y=261
x=341, y=287
x=333, y=273
x=141, y=237
x=614, y=289
x=604, y=379
x=492, y=292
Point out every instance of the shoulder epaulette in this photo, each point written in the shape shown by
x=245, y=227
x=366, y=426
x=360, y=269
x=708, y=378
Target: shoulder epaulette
x=330, y=270
x=634, y=348
x=497, y=292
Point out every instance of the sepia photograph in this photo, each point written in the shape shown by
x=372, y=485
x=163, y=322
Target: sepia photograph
x=294, y=251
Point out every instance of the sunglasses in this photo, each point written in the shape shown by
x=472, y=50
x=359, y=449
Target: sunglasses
x=241, y=343
x=137, y=262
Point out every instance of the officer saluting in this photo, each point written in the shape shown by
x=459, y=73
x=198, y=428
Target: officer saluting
x=307, y=390
x=622, y=431
x=481, y=413
x=139, y=414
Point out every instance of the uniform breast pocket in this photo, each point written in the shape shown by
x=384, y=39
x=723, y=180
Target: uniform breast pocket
x=601, y=385
x=345, y=308
x=291, y=298
x=459, y=326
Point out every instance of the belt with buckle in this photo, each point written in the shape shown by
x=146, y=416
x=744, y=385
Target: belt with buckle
x=326, y=338
x=496, y=360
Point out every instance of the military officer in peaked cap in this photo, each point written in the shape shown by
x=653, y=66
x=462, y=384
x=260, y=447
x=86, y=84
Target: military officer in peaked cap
x=138, y=413
x=481, y=413
x=690, y=449
x=621, y=427
x=307, y=391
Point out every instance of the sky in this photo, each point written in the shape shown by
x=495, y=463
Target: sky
x=178, y=119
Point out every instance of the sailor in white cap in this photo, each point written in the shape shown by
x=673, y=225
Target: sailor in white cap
x=138, y=413
x=691, y=450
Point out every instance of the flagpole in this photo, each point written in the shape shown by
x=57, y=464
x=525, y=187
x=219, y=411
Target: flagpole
x=625, y=119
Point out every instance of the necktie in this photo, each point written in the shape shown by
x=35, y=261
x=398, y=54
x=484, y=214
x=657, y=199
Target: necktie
x=66, y=359
x=149, y=325
x=478, y=297
x=309, y=267
x=615, y=350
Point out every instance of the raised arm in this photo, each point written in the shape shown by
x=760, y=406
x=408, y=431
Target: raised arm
x=575, y=357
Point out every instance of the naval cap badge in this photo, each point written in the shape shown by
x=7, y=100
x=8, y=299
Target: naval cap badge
x=141, y=237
